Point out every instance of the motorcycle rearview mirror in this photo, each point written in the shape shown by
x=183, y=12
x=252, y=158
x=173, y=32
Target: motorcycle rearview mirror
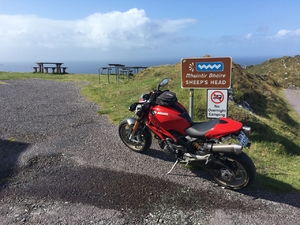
x=164, y=82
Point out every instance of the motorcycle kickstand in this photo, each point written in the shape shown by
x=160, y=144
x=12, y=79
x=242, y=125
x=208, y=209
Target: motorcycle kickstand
x=177, y=161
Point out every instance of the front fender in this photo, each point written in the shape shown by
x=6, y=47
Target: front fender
x=131, y=120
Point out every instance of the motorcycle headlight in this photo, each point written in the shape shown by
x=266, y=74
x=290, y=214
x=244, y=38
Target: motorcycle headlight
x=139, y=110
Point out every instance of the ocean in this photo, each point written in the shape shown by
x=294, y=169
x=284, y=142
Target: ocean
x=91, y=67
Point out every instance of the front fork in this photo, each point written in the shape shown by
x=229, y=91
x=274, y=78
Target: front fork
x=133, y=137
x=134, y=129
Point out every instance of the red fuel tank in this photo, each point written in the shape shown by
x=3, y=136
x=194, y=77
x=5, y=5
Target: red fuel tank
x=170, y=117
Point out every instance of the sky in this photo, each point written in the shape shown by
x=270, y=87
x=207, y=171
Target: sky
x=47, y=30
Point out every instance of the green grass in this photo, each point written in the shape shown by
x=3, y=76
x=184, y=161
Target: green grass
x=275, y=147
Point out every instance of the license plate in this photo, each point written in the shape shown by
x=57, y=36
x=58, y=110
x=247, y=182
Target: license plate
x=243, y=139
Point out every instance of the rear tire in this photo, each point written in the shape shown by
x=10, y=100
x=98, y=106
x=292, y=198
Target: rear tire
x=239, y=173
x=140, y=142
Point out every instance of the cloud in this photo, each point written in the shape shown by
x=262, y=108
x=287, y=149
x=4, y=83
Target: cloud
x=288, y=33
x=105, y=31
x=285, y=40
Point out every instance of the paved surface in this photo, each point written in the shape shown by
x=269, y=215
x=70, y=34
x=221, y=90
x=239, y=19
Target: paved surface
x=293, y=97
x=62, y=163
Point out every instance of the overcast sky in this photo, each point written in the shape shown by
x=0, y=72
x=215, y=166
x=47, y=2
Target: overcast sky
x=42, y=30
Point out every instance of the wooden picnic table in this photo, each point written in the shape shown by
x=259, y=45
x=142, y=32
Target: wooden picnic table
x=56, y=67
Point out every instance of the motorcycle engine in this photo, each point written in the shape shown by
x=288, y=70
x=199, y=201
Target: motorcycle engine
x=175, y=149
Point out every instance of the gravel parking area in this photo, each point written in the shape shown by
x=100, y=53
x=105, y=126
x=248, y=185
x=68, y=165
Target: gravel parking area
x=63, y=163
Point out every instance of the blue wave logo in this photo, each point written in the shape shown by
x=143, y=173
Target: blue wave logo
x=209, y=66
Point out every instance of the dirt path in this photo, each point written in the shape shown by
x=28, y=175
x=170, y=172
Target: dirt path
x=62, y=163
x=293, y=97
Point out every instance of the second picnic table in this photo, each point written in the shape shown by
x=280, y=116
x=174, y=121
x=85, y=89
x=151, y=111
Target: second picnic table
x=120, y=69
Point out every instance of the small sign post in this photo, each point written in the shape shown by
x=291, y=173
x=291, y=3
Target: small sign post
x=217, y=102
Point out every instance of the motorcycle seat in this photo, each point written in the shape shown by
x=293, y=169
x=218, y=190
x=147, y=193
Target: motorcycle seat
x=198, y=130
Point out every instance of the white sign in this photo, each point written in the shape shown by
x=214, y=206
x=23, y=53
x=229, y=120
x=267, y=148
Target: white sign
x=217, y=102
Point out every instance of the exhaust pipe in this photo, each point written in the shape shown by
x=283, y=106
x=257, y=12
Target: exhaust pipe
x=234, y=148
x=230, y=149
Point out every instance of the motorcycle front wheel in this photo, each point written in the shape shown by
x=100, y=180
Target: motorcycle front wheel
x=140, y=142
x=238, y=172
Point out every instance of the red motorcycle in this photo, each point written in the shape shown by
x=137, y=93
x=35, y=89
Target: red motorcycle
x=160, y=113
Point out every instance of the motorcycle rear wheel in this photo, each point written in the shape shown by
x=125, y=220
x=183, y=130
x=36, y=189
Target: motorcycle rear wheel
x=239, y=172
x=140, y=142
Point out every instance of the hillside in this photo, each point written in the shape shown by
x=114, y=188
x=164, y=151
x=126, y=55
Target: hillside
x=260, y=91
x=285, y=71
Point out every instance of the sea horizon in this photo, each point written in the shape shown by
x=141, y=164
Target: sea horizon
x=92, y=67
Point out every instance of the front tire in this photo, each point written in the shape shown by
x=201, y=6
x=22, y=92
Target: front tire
x=238, y=173
x=140, y=142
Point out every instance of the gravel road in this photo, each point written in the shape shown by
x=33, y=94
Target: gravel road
x=293, y=97
x=63, y=163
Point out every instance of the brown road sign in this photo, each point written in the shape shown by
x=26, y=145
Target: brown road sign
x=213, y=73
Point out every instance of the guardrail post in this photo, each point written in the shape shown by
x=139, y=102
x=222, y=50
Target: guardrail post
x=99, y=75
